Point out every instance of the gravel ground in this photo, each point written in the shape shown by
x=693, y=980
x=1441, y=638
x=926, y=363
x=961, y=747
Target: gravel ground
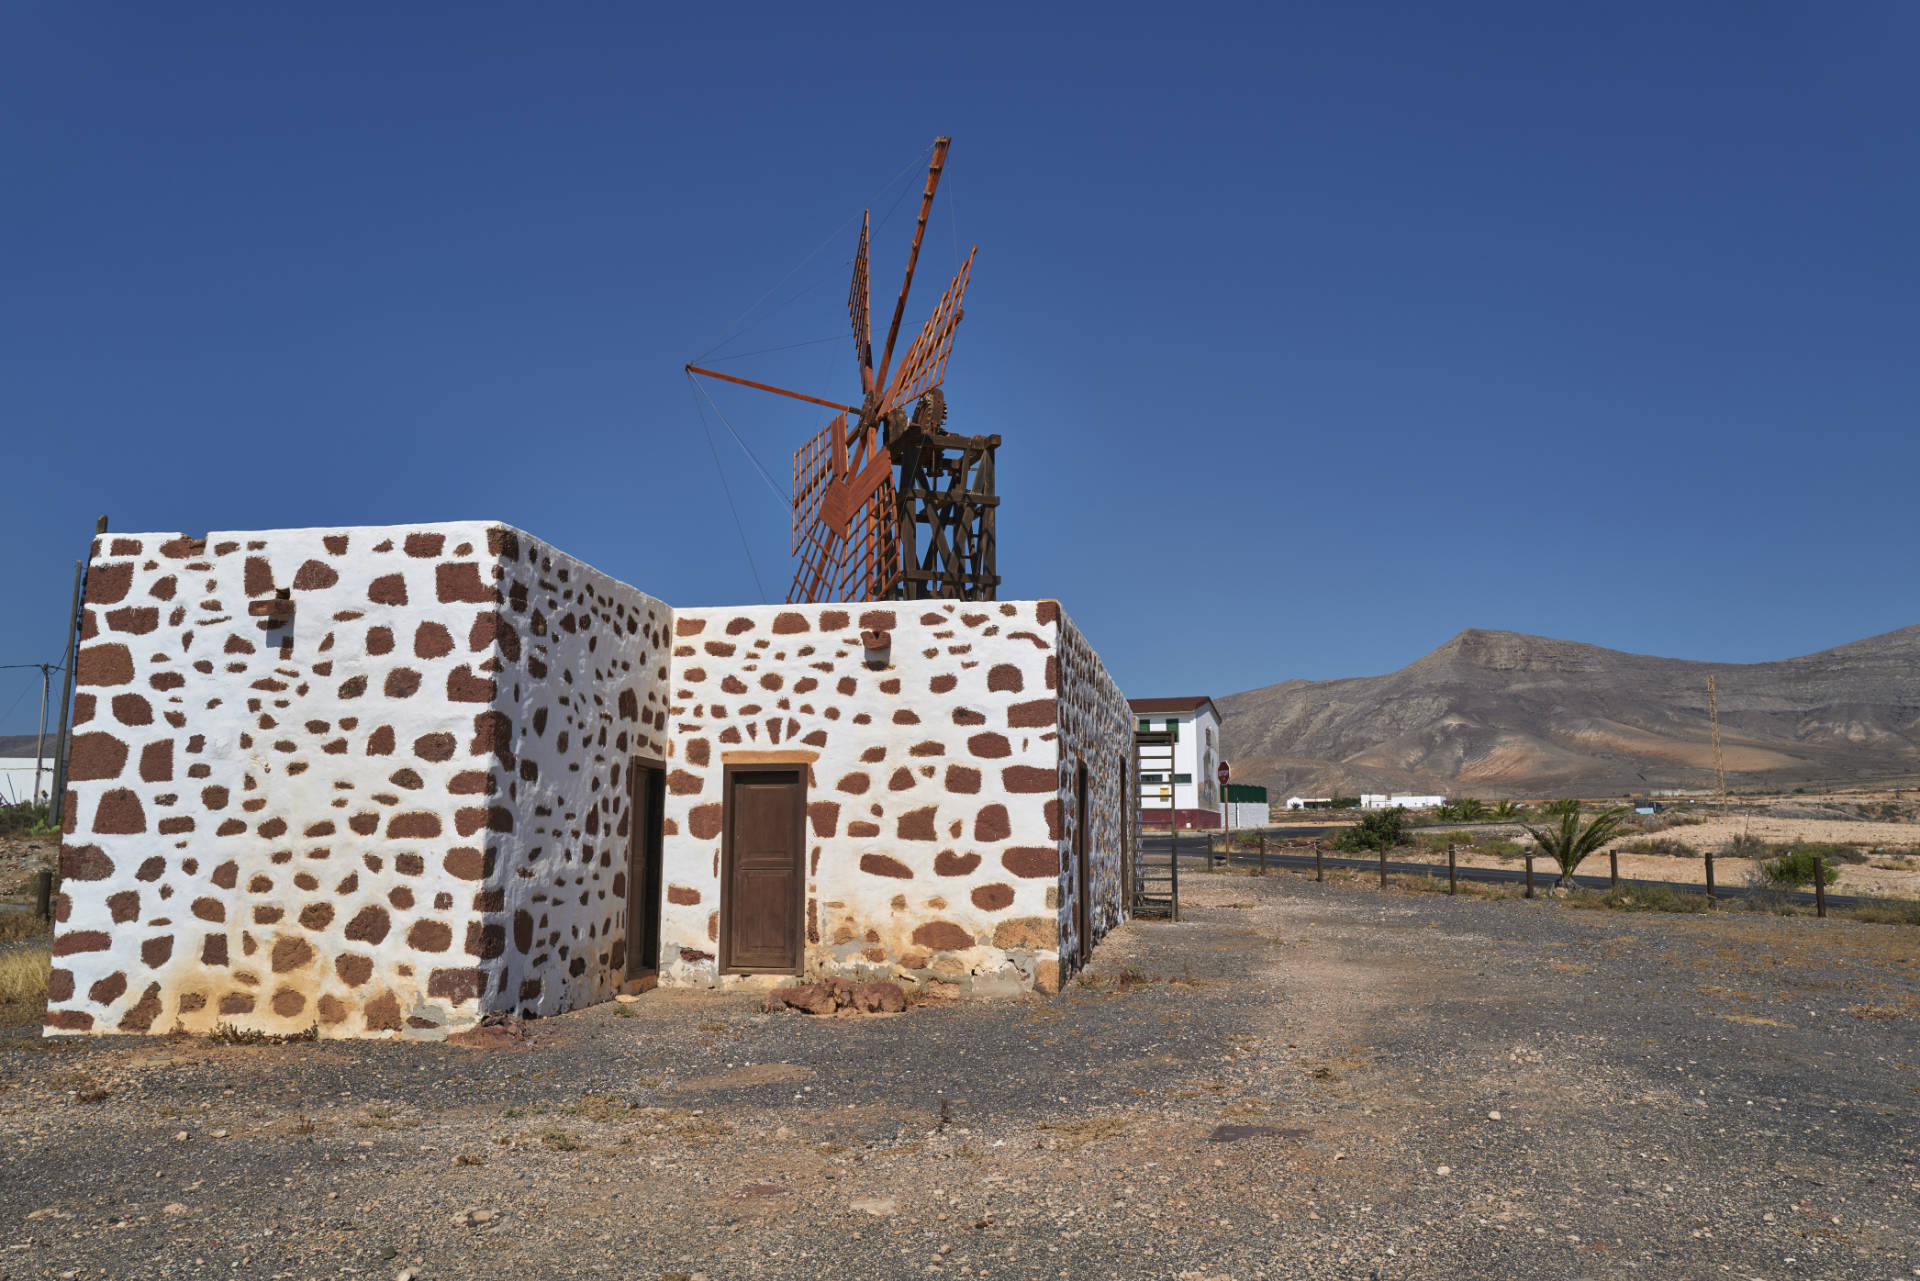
x=1449, y=1088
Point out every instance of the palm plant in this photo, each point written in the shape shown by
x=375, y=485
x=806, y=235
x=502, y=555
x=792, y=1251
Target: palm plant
x=1469, y=809
x=1568, y=843
x=1507, y=809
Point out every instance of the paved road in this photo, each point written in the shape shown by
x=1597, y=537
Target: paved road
x=1193, y=848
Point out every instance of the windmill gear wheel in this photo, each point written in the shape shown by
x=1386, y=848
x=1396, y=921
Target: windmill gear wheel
x=931, y=413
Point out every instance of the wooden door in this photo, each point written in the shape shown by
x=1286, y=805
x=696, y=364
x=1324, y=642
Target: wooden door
x=1083, y=901
x=764, y=876
x=646, y=798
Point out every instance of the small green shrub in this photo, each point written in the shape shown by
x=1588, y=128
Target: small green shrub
x=1376, y=830
x=1671, y=818
x=1660, y=845
x=1344, y=803
x=1745, y=845
x=1500, y=847
x=29, y=818
x=1796, y=868
x=1832, y=852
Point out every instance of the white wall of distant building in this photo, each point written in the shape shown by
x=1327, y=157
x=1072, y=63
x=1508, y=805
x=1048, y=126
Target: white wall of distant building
x=1246, y=814
x=1384, y=801
x=1196, y=759
x=16, y=779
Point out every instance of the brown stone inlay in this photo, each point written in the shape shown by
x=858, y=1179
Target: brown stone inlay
x=1029, y=778
x=119, y=813
x=992, y=824
x=950, y=864
x=388, y=589
x=107, y=584
x=993, y=898
x=460, y=582
x=882, y=865
x=942, y=936
x=95, y=755
x=314, y=575
x=1032, y=860
x=104, y=665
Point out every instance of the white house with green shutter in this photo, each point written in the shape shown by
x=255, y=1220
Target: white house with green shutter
x=1192, y=791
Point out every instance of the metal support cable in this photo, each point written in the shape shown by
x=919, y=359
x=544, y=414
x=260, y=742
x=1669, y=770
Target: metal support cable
x=726, y=489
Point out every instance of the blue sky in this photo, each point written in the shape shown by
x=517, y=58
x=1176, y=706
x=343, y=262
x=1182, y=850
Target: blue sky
x=1316, y=333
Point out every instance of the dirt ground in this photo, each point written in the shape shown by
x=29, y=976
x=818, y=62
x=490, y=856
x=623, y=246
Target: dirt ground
x=1401, y=1086
x=20, y=858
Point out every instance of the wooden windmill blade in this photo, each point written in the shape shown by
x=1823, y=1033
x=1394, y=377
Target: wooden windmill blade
x=938, y=163
x=925, y=364
x=853, y=525
x=813, y=473
x=862, y=564
x=857, y=295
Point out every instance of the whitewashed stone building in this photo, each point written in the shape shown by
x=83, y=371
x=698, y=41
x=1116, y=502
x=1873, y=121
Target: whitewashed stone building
x=385, y=781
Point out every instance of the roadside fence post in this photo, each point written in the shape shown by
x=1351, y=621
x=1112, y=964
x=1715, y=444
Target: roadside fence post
x=1709, y=876
x=1613, y=870
x=1383, y=867
x=43, y=895
x=1173, y=859
x=1529, y=875
x=1819, y=886
x=1319, y=868
x=1453, y=872
x=1263, y=852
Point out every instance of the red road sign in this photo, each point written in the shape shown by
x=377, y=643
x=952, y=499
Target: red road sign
x=1222, y=771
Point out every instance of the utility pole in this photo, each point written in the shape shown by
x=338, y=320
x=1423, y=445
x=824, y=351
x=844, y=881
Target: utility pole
x=1719, y=761
x=61, y=740
x=40, y=738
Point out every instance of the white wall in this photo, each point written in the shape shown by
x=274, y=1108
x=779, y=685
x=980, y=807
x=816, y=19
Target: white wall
x=1383, y=801
x=1247, y=814
x=1193, y=756
x=16, y=778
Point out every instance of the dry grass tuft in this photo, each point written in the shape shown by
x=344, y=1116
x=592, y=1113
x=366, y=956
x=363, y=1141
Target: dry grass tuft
x=1888, y=912
x=602, y=1107
x=23, y=985
x=23, y=925
x=1077, y=1134
x=228, y=1034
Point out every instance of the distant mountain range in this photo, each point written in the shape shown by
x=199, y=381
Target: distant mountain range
x=1496, y=714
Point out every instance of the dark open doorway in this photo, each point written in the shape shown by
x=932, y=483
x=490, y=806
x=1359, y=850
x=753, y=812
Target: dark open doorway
x=646, y=799
x=1082, y=871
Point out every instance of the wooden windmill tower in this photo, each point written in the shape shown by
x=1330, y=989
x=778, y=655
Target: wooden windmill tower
x=888, y=504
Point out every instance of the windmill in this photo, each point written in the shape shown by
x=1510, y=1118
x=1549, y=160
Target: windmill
x=886, y=474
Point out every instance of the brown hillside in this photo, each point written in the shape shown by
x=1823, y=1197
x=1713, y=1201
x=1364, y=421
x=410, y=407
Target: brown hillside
x=1505, y=714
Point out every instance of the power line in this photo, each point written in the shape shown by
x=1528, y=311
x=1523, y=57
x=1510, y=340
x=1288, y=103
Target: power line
x=811, y=342
x=728, y=491
x=812, y=254
x=736, y=437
